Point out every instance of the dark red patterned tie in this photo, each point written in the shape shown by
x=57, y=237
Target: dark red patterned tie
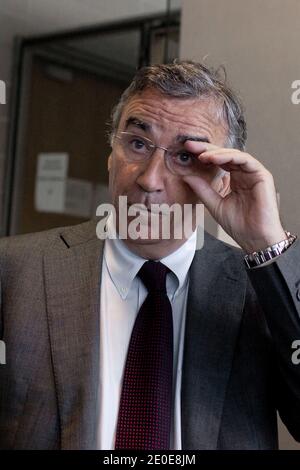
x=145, y=410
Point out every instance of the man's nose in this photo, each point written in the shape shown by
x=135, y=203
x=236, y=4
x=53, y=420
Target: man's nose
x=151, y=177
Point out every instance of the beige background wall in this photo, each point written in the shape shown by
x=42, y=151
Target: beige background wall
x=258, y=42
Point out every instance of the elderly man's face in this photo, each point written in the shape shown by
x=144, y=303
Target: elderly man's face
x=161, y=119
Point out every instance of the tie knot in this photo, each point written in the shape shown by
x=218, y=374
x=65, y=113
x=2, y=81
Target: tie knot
x=153, y=275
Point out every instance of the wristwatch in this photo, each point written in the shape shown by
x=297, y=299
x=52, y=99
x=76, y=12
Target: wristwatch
x=259, y=257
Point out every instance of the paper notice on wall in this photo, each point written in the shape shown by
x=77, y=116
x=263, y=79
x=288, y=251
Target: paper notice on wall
x=79, y=198
x=100, y=196
x=50, y=184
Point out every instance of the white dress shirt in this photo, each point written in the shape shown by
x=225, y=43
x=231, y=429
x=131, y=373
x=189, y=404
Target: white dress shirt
x=122, y=294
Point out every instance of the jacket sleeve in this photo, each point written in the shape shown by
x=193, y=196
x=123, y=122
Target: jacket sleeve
x=277, y=287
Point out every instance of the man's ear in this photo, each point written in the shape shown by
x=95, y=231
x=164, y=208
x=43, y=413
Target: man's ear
x=109, y=162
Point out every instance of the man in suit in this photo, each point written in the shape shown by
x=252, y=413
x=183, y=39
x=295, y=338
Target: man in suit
x=70, y=300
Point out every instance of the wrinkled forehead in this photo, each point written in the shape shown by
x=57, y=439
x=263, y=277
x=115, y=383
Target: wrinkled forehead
x=157, y=115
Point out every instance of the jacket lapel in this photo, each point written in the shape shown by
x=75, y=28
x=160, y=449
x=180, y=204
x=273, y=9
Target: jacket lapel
x=72, y=279
x=214, y=311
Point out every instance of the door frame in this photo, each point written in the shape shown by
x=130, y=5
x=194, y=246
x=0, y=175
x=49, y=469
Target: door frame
x=43, y=46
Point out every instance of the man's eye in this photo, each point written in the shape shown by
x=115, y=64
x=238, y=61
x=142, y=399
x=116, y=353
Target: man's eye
x=184, y=158
x=137, y=145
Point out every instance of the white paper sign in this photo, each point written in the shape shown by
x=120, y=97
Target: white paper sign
x=101, y=196
x=52, y=165
x=79, y=197
x=50, y=185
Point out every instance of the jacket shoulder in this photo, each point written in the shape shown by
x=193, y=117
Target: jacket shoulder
x=212, y=243
x=36, y=244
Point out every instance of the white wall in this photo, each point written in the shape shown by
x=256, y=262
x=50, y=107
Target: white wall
x=258, y=42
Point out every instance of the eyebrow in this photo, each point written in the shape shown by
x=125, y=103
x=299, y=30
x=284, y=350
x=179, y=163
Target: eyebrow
x=133, y=121
x=195, y=138
x=145, y=126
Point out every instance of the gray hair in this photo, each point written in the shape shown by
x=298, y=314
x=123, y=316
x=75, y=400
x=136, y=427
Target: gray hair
x=189, y=79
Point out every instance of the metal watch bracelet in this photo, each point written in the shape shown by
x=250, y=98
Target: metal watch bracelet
x=259, y=257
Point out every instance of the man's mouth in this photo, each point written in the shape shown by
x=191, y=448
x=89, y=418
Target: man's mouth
x=154, y=208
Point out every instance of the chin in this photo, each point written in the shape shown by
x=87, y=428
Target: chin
x=147, y=241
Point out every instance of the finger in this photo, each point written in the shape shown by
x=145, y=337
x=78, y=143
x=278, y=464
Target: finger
x=204, y=148
x=207, y=195
x=219, y=150
x=198, y=147
x=236, y=159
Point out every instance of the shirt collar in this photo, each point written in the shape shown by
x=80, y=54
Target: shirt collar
x=123, y=265
x=180, y=260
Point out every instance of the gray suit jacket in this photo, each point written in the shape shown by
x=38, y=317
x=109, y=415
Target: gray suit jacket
x=237, y=368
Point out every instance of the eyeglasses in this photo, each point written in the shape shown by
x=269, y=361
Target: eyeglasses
x=178, y=160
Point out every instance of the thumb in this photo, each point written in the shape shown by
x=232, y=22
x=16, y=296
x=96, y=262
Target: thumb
x=208, y=196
